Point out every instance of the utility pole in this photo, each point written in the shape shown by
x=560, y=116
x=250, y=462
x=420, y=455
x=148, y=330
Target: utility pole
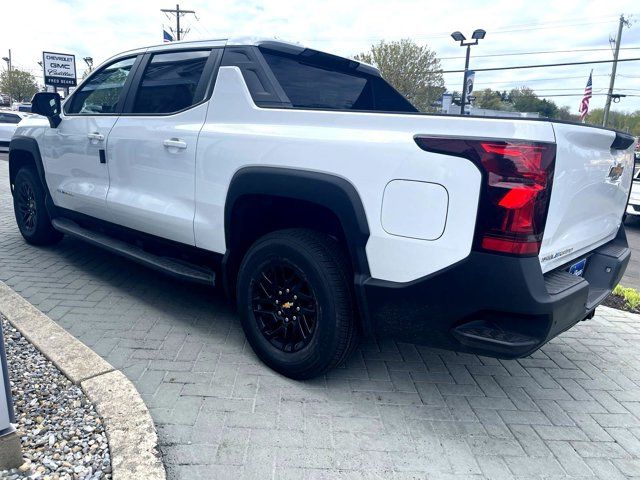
x=178, y=13
x=614, y=66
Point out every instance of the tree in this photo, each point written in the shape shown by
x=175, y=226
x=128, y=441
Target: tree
x=619, y=120
x=20, y=85
x=564, y=113
x=524, y=99
x=491, y=100
x=412, y=69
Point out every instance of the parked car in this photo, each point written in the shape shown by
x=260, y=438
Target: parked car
x=22, y=106
x=8, y=123
x=325, y=204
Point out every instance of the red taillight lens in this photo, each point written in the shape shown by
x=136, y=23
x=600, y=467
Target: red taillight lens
x=516, y=190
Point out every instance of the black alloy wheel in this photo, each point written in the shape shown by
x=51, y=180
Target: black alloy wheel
x=284, y=305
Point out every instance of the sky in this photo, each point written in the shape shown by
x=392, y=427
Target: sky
x=520, y=32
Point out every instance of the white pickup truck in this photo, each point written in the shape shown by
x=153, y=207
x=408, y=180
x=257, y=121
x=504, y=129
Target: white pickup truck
x=324, y=203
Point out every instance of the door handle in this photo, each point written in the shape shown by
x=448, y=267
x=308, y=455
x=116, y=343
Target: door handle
x=98, y=137
x=175, y=143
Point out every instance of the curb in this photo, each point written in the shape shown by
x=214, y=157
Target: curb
x=131, y=433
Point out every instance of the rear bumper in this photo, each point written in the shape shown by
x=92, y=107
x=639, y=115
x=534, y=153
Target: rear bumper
x=495, y=305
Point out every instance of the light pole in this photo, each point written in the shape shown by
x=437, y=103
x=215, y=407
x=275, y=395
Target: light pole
x=459, y=37
x=8, y=60
x=89, y=62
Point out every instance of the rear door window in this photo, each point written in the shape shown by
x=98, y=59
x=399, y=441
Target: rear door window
x=171, y=82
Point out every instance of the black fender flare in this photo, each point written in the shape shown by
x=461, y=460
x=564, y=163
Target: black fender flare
x=330, y=191
x=30, y=145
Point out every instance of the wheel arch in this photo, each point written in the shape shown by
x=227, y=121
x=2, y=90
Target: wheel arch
x=332, y=200
x=25, y=151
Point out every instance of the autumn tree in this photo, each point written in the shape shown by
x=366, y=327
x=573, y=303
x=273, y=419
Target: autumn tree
x=412, y=69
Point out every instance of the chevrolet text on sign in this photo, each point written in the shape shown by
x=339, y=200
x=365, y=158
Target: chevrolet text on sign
x=59, y=69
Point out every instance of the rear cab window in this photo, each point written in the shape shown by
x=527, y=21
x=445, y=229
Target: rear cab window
x=315, y=80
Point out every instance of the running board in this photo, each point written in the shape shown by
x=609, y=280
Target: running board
x=174, y=268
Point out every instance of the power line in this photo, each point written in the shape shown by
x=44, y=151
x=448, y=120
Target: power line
x=564, y=64
x=548, y=79
x=582, y=94
x=534, y=26
x=542, y=52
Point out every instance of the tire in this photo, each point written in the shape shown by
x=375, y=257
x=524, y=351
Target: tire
x=30, y=210
x=315, y=267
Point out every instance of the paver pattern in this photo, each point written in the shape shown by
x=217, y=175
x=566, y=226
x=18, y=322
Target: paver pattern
x=394, y=411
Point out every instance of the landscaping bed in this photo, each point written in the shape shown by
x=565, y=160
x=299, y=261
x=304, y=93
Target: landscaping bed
x=623, y=298
x=62, y=435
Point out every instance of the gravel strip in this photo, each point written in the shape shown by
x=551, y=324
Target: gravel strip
x=61, y=433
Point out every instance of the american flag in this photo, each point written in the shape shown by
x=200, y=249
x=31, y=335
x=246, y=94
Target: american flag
x=583, y=110
x=166, y=36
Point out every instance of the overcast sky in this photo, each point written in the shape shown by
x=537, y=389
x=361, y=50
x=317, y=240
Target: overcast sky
x=102, y=28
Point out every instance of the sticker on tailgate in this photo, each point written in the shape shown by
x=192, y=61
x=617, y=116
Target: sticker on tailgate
x=578, y=268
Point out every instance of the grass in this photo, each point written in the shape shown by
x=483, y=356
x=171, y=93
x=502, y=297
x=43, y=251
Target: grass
x=630, y=295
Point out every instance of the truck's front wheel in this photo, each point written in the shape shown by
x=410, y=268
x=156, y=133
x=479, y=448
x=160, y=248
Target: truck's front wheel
x=295, y=301
x=30, y=210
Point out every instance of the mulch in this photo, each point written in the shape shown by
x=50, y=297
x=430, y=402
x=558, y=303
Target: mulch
x=615, y=301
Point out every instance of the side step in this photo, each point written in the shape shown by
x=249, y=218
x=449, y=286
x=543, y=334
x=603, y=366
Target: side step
x=172, y=267
x=480, y=334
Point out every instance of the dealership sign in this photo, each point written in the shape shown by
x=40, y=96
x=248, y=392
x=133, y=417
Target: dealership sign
x=59, y=69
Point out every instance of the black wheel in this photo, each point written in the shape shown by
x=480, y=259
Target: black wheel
x=296, y=304
x=30, y=211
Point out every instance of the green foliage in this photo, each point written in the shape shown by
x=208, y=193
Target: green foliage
x=20, y=85
x=524, y=99
x=412, y=69
x=619, y=120
x=492, y=100
x=630, y=295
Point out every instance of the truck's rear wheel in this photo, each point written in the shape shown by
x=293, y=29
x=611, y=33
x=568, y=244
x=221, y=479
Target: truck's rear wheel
x=30, y=210
x=295, y=301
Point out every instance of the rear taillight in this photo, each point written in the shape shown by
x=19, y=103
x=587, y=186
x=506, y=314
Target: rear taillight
x=516, y=189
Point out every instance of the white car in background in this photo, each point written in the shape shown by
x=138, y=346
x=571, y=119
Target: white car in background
x=633, y=207
x=9, y=121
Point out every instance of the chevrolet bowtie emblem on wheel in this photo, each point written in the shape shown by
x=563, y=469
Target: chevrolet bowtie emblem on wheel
x=287, y=305
x=615, y=172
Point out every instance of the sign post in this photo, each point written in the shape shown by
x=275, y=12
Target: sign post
x=10, y=450
x=59, y=70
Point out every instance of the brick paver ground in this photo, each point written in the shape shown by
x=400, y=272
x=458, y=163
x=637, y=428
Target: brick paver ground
x=396, y=410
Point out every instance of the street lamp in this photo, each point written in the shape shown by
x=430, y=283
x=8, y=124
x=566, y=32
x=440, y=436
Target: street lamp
x=89, y=62
x=476, y=36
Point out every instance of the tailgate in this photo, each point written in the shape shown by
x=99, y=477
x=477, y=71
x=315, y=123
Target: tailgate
x=593, y=174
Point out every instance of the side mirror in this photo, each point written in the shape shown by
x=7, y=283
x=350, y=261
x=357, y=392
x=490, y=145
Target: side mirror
x=47, y=104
